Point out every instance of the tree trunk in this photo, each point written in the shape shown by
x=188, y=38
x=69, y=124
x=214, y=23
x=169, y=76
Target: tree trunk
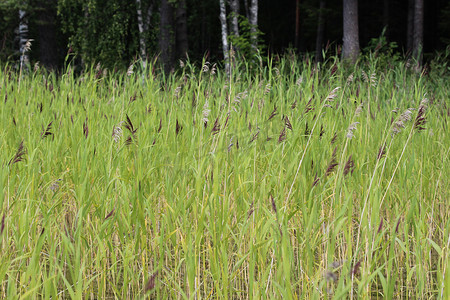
x=47, y=33
x=320, y=32
x=223, y=22
x=165, y=42
x=418, y=32
x=410, y=26
x=234, y=5
x=181, y=29
x=23, y=38
x=247, y=11
x=254, y=23
x=142, y=44
x=350, y=49
x=297, y=24
x=148, y=17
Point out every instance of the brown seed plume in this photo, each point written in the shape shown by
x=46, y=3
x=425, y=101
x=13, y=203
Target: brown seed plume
x=381, y=152
x=287, y=123
x=2, y=225
x=85, y=128
x=129, y=125
x=333, y=140
x=274, y=206
x=273, y=114
x=322, y=131
x=333, y=163
x=178, y=128
x=316, y=180
x=133, y=98
x=294, y=104
x=46, y=132
x=398, y=224
x=355, y=269
x=282, y=136
x=150, y=285
x=160, y=126
x=128, y=141
x=109, y=215
x=216, y=128
x=420, y=120
x=308, y=106
x=349, y=166
x=19, y=156
x=250, y=211
x=226, y=121
x=380, y=226
x=254, y=137
x=307, y=131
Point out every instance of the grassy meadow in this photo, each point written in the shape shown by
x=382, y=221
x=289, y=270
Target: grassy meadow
x=293, y=181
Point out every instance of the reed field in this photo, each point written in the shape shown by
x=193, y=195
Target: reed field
x=290, y=181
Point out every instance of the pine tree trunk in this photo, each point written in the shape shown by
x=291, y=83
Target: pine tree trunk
x=47, y=33
x=247, y=10
x=320, y=31
x=297, y=24
x=148, y=17
x=410, y=26
x=418, y=32
x=181, y=29
x=254, y=23
x=165, y=42
x=234, y=5
x=142, y=44
x=350, y=49
x=223, y=22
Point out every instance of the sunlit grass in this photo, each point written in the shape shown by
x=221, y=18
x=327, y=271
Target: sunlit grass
x=294, y=181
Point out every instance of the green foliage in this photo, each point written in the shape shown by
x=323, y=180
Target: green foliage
x=243, y=43
x=8, y=21
x=100, y=30
x=383, y=46
x=381, y=52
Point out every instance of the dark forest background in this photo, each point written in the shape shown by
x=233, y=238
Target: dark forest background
x=108, y=31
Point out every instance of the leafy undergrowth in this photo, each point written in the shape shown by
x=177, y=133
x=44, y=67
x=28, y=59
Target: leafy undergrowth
x=297, y=181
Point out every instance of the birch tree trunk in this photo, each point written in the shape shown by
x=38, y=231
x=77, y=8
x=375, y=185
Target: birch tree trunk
x=350, y=49
x=223, y=22
x=418, y=32
x=142, y=44
x=23, y=38
x=254, y=22
x=234, y=5
x=320, y=31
